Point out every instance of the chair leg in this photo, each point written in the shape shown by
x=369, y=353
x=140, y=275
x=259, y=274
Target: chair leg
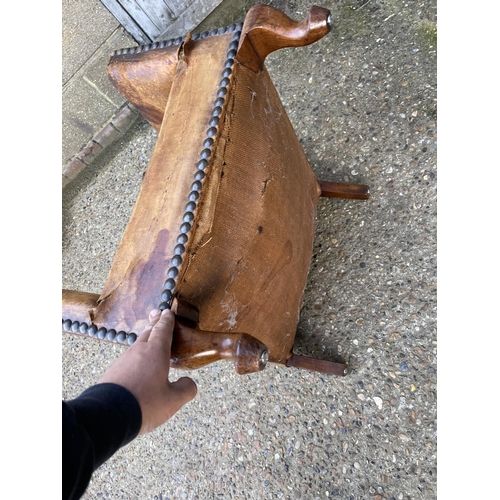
x=185, y=310
x=317, y=365
x=342, y=190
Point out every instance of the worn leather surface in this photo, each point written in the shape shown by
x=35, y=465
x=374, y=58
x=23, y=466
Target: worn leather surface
x=249, y=249
x=78, y=305
x=250, y=252
x=145, y=80
x=139, y=269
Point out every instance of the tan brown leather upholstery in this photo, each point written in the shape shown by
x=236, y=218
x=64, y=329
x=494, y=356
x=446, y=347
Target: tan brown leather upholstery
x=225, y=218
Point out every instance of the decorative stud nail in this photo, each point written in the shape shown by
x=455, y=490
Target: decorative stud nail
x=182, y=238
x=229, y=63
x=176, y=260
x=111, y=335
x=101, y=333
x=231, y=54
x=179, y=249
x=202, y=164
x=208, y=143
x=190, y=207
x=222, y=92
x=198, y=176
x=131, y=338
x=75, y=326
x=204, y=155
x=214, y=121
x=166, y=296
x=121, y=336
x=227, y=72
x=67, y=325
x=172, y=272
x=83, y=328
x=92, y=331
x=169, y=284
x=211, y=131
x=213, y=32
x=189, y=216
x=196, y=186
x=185, y=227
x=193, y=196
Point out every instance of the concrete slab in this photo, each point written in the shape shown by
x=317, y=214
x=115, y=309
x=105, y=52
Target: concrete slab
x=95, y=70
x=89, y=99
x=84, y=112
x=86, y=25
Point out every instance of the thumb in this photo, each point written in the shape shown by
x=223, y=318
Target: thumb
x=162, y=331
x=182, y=391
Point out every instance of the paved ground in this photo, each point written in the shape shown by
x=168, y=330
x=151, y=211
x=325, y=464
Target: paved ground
x=89, y=100
x=363, y=103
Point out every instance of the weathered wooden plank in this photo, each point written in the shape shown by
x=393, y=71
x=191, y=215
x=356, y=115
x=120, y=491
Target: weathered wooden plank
x=124, y=18
x=192, y=15
x=146, y=15
x=152, y=20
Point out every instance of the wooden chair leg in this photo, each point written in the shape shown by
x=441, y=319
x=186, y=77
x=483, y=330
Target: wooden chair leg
x=343, y=190
x=191, y=347
x=185, y=310
x=317, y=365
x=267, y=29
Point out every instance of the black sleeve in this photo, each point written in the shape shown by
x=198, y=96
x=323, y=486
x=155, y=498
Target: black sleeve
x=96, y=424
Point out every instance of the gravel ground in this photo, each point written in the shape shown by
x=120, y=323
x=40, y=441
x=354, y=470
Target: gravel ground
x=363, y=104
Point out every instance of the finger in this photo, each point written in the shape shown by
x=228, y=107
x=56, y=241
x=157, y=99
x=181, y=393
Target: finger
x=154, y=316
x=181, y=392
x=162, y=330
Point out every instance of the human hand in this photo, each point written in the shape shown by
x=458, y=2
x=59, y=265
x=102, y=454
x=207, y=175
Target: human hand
x=144, y=368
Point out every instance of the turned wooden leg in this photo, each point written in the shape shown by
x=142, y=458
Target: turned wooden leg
x=192, y=349
x=185, y=310
x=342, y=190
x=317, y=365
x=267, y=29
x=77, y=305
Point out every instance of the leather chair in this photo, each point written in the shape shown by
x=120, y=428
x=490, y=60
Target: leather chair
x=223, y=228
